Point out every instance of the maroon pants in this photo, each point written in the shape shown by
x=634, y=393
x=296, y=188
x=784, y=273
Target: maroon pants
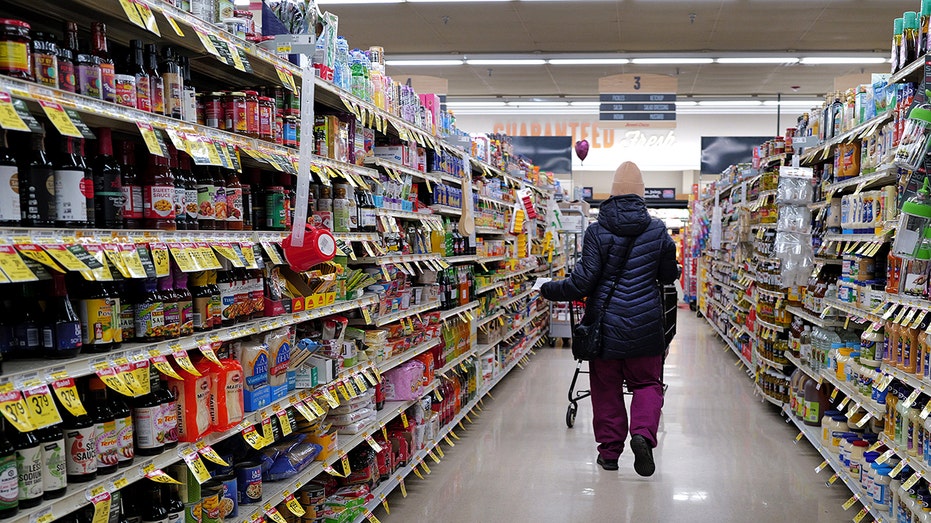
x=644, y=378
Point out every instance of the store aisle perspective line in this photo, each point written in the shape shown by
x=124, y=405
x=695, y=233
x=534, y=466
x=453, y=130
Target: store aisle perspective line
x=723, y=455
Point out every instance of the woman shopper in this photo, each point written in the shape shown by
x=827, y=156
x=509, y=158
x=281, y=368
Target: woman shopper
x=633, y=343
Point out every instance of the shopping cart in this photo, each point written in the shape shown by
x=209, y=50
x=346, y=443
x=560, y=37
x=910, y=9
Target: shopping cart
x=670, y=298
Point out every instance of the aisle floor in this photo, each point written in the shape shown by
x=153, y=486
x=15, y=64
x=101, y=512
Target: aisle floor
x=722, y=456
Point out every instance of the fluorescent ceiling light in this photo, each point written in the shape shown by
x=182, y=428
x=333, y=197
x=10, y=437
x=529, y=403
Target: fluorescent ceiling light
x=585, y=104
x=759, y=60
x=588, y=61
x=729, y=103
x=423, y=62
x=840, y=60
x=672, y=61
x=336, y=2
x=507, y=62
x=538, y=104
x=794, y=103
x=476, y=104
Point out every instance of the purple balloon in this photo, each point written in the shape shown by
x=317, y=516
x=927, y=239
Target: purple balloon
x=581, y=149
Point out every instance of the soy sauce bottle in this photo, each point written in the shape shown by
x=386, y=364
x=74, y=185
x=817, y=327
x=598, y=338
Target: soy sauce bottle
x=9, y=477
x=61, y=334
x=123, y=416
x=108, y=186
x=54, y=477
x=147, y=409
x=104, y=426
x=153, y=511
x=29, y=467
x=80, y=446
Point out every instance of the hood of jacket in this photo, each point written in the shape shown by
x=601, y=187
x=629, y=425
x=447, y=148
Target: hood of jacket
x=624, y=215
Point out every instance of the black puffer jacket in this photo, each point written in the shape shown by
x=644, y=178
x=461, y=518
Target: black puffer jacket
x=633, y=321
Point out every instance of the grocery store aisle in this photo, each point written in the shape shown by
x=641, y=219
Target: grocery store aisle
x=723, y=455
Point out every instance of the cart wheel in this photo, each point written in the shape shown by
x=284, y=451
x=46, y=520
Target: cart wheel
x=570, y=415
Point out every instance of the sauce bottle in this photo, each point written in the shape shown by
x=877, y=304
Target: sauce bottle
x=190, y=192
x=908, y=52
x=153, y=511
x=169, y=408
x=10, y=205
x=206, y=193
x=127, y=315
x=924, y=27
x=131, y=186
x=172, y=307
x=135, y=66
x=70, y=201
x=66, y=69
x=54, y=477
x=226, y=283
x=156, y=84
x=88, y=187
x=188, y=93
x=107, y=71
x=61, y=334
x=147, y=409
x=219, y=199
x=36, y=185
x=123, y=417
x=104, y=426
x=234, y=202
x=9, y=477
x=173, y=504
x=200, y=291
x=108, y=188
x=159, y=195
x=181, y=222
x=29, y=467
x=174, y=83
x=898, y=28
x=185, y=303
x=149, y=312
x=216, y=304
x=80, y=446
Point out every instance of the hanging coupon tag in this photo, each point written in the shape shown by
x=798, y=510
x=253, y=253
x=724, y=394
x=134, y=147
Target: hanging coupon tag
x=42, y=409
x=910, y=482
x=56, y=114
x=196, y=465
x=111, y=379
x=330, y=398
x=174, y=25
x=293, y=505
x=371, y=517
x=850, y=502
x=209, y=454
x=898, y=468
x=404, y=419
x=160, y=362
x=304, y=410
x=152, y=143
x=158, y=475
x=372, y=443
x=14, y=410
x=822, y=466
x=861, y=515
x=285, y=422
x=344, y=461
x=67, y=394
x=101, y=503
x=911, y=398
x=9, y=119
x=274, y=515
x=184, y=361
x=884, y=457
x=13, y=267
x=843, y=403
x=252, y=437
x=208, y=352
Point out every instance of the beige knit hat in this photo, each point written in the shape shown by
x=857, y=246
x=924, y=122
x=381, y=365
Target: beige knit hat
x=627, y=180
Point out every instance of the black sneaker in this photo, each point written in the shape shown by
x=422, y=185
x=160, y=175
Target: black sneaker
x=643, y=455
x=607, y=464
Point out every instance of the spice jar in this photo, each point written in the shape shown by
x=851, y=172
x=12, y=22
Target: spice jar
x=66, y=80
x=252, y=114
x=15, y=58
x=234, y=112
x=88, y=76
x=45, y=59
x=213, y=111
x=266, y=122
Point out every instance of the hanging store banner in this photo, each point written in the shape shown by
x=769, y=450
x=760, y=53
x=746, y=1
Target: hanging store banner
x=638, y=101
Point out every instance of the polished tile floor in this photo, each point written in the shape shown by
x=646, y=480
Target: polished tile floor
x=723, y=455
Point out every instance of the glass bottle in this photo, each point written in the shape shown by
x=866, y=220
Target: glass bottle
x=153, y=510
x=172, y=307
x=219, y=199
x=10, y=205
x=924, y=27
x=205, y=196
x=147, y=409
x=169, y=406
x=908, y=53
x=123, y=416
x=185, y=303
x=133, y=202
x=29, y=467
x=54, y=477
x=61, y=334
x=181, y=222
x=188, y=93
x=156, y=83
x=215, y=306
x=66, y=66
x=175, y=507
x=226, y=282
x=28, y=327
x=70, y=199
x=108, y=188
x=104, y=426
x=149, y=313
x=88, y=183
x=87, y=73
x=107, y=71
x=134, y=66
x=837, y=114
x=80, y=446
x=190, y=192
x=36, y=185
x=898, y=30
x=174, y=82
x=234, y=202
x=158, y=194
x=9, y=477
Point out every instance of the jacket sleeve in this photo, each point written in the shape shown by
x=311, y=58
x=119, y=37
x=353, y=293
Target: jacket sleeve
x=668, y=266
x=585, y=276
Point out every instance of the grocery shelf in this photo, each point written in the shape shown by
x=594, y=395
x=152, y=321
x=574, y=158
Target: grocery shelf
x=491, y=259
x=882, y=237
x=733, y=347
x=510, y=301
x=905, y=378
x=390, y=259
x=765, y=194
x=805, y=368
x=518, y=272
x=417, y=309
x=813, y=435
x=404, y=215
x=828, y=261
x=867, y=404
x=482, y=348
x=461, y=259
x=445, y=315
x=516, y=328
x=356, y=236
x=490, y=230
x=772, y=294
x=143, y=235
x=446, y=177
x=767, y=397
x=852, y=310
x=762, y=226
x=398, y=168
x=481, y=323
x=813, y=318
x=486, y=288
x=776, y=157
x=914, y=462
x=883, y=176
x=82, y=365
x=821, y=151
x=494, y=201
x=394, y=361
x=908, y=301
x=908, y=71
x=445, y=210
x=771, y=326
x=450, y=365
x=819, y=205
x=772, y=363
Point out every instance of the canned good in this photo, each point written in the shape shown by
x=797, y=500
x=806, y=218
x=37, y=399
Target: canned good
x=15, y=58
x=249, y=475
x=213, y=111
x=125, y=86
x=210, y=509
x=234, y=112
x=229, y=496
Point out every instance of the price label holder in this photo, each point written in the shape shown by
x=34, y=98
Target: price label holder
x=101, y=503
x=160, y=362
x=898, y=468
x=884, y=457
x=910, y=482
x=184, y=361
x=196, y=465
x=861, y=515
x=851, y=502
x=41, y=407
x=821, y=467
x=67, y=394
x=9, y=118
x=158, y=475
x=253, y=438
x=293, y=505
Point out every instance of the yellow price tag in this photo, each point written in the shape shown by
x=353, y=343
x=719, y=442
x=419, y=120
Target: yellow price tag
x=150, y=139
x=196, y=465
x=910, y=482
x=252, y=437
x=330, y=398
x=404, y=420
x=211, y=455
x=834, y=394
x=284, y=422
x=403, y=487
x=129, y=7
x=112, y=380
x=62, y=122
x=426, y=468
x=860, y=515
x=161, y=364
x=344, y=461
x=449, y=441
x=850, y=502
x=14, y=410
x=304, y=410
x=357, y=379
x=67, y=394
x=293, y=505
x=433, y=457
x=13, y=267
x=898, y=468
x=41, y=407
x=372, y=443
x=833, y=479
x=822, y=466
x=174, y=25
x=101, y=503
x=206, y=42
x=417, y=472
x=9, y=119
x=884, y=457
x=208, y=352
x=158, y=475
x=184, y=361
x=371, y=517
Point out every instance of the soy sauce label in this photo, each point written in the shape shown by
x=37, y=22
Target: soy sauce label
x=9, y=482
x=81, y=451
x=108, y=82
x=29, y=466
x=9, y=193
x=70, y=195
x=62, y=336
x=53, y=458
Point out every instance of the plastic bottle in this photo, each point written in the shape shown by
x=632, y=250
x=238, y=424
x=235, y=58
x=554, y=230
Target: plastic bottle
x=910, y=351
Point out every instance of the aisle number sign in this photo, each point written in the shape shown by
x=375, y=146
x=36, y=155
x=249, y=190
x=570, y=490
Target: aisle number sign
x=638, y=100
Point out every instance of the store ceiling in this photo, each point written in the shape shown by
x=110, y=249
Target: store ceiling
x=710, y=27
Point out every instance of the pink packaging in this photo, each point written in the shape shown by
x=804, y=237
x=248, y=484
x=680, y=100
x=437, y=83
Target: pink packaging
x=404, y=383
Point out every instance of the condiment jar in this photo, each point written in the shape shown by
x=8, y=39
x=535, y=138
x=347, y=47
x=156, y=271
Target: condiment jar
x=15, y=56
x=45, y=59
x=252, y=114
x=66, y=72
x=88, y=76
x=234, y=112
x=213, y=110
x=266, y=120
